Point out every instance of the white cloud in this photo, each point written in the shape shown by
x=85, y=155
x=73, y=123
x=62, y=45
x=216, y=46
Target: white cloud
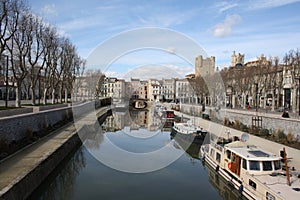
x=224, y=6
x=225, y=28
x=265, y=4
x=49, y=10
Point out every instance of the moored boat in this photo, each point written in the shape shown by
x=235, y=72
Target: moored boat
x=255, y=173
x=189, y=132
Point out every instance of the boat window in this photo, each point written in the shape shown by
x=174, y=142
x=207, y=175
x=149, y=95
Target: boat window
x=277, y=164
x=267, y=165
x=212, y=152
x=244, y=164
x=233, y=157
x=218, y=157
x=269, y=196
x=254, y=165
x=228, y=154
x=252, y=184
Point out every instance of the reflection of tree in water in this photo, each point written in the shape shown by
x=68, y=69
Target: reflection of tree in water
x=60, y=183
x=94, y=137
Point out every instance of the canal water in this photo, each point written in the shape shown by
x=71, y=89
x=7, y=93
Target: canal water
x=82, y=176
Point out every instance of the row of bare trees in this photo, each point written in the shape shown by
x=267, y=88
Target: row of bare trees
x=264, y=78
x=37, y=52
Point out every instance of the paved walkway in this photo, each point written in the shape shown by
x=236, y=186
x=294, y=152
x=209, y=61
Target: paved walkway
x=17, y=166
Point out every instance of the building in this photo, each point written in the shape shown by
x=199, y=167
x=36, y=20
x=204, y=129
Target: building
x=237, y=59
x=113, y=87
x=143, y=90
x=154, y=90
x=184, y=91
x=168, y=89
x=260, y=61
x=133, y=88
x=205, y=66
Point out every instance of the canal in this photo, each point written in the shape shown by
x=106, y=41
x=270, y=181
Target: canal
x=82, y=175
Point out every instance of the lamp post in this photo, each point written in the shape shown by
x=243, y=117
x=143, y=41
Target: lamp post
x=298, y=78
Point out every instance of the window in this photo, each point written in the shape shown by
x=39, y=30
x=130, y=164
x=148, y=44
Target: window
x=218, y=157
x=233, y=158
x=277, y=164
x=228, y=153
x=244, y=164
x=212, y=152
x=252, y=184
x=254, y=165
x=269, y=196
x=267, y=165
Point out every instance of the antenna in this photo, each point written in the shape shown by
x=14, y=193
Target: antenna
x=244, y=137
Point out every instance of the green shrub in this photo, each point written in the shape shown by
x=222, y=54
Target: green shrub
x=280, y=136
x=264, y=132
x=244, y=127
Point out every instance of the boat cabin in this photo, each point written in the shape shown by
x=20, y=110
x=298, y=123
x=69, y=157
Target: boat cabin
x=238, y=157
x=242, y=158
x=256, y=172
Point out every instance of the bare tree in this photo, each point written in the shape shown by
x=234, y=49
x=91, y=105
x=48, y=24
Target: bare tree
x=18, y=50
x=50, y=56
x=35, y=31
x=94, y=79
x=9, y=18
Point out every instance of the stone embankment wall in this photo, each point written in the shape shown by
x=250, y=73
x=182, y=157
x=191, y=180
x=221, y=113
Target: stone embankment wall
x=17, y=127
x=54, y=149
x=271, y=121
x=24, y=187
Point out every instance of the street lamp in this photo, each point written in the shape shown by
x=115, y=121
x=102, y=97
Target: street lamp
x=298, y=78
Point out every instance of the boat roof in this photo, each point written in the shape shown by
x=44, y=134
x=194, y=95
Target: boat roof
x=278, y=184
x=250, y=152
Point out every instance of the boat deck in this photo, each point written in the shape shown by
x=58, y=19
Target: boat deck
x=279, y=184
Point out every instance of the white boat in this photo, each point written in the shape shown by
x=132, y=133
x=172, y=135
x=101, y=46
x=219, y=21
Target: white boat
x=255, y=173
x=188, y=132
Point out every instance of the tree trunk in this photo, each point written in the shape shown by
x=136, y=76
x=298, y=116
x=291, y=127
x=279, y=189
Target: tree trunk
x=53, y=96
x=66, y=95
x=45, y=96
x=61, y=94
x=273, y=100
x=244, y=100
x=18, y=94
x=294, y=108
x=33, y=95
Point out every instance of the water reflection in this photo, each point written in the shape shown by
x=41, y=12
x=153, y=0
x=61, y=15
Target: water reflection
x=60, y=184
x=226, y=190
x=134, y=119
x=81, y=176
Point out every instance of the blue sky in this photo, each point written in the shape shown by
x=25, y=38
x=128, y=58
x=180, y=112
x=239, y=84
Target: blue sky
x=270, y=27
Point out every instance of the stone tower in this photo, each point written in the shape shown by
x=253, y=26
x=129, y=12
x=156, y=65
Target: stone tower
x=237, y=59
x=205, y=66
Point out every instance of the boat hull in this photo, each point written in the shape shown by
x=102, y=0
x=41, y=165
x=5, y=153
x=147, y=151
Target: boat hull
x=189, y=138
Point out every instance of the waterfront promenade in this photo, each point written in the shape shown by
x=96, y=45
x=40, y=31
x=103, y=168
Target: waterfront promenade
x=15, y=168
x=22, y=172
